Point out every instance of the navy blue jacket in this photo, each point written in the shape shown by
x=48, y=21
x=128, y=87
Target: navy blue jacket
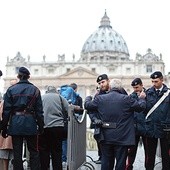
x=116, y=108
x=160, y=117
x=94, y=114
x=16, y=99
x=139, y=119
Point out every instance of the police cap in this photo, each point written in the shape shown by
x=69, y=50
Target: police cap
x=102, y=77
x=23, y=71
x=136, y=81
x=156, y=74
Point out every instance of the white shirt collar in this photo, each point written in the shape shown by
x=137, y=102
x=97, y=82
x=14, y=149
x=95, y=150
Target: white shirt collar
x=159, y=89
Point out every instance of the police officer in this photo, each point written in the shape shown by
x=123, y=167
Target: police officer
x=103, y=88
x=156, y=122
x=139, y=123
x=117, y=128
x=22, y=110
x=51, y=139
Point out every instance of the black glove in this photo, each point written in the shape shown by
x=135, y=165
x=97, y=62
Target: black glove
x=98, y=122
x=4, y=133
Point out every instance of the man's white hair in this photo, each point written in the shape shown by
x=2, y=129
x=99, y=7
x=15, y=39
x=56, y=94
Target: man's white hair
x=115, y=83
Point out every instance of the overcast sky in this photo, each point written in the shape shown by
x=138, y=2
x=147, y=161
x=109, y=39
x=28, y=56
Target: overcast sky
x=52, y=27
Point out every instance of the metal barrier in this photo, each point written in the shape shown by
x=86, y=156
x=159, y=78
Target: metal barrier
x=76, y=142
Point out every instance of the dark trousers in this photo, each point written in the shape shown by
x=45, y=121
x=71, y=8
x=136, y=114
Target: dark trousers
x=110, y=153
x=32, y=144
x=133, y=150
x=151, y=145
x=50, y=143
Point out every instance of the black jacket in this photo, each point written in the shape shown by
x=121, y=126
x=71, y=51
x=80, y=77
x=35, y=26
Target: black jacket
x=16, y=99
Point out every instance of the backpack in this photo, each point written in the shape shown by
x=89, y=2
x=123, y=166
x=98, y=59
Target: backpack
x=68, y=93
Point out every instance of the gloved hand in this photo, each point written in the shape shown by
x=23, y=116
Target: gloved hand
x=98, y=122
x=4, y=133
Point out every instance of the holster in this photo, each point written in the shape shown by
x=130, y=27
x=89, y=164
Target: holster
x=109, y=125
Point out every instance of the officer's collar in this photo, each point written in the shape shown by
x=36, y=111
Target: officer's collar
x=160, y=89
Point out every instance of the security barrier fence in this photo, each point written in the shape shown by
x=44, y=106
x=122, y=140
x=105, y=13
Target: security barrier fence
x=79, y=140
x=76, y=151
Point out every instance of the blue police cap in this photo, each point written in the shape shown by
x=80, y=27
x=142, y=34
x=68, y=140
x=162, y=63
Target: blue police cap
x=0, y=73
x=23, y=71
x=156, y=74
x=136, y=81
x=102, y=77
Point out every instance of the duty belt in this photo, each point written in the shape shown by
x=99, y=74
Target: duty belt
x=109, y=125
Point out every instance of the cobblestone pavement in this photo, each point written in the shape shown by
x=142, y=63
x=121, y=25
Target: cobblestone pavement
x=92, y=156
x=138, y=165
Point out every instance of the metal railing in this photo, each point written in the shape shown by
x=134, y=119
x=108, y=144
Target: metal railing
x=76, y=142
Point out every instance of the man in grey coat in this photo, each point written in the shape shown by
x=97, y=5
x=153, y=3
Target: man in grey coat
x=51, y=139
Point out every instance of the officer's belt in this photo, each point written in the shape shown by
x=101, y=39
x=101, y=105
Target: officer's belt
x=23, y=113
x=109, y=125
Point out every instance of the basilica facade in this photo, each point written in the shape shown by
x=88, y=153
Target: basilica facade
x=104, y=51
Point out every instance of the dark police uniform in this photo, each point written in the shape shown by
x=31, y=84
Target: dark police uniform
x=140, y=130
x=116, y=112
x=95, y=124
x=96, y=120
x=155, y=124
x=22, y=122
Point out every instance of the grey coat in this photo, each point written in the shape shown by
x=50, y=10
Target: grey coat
x=53, y=116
